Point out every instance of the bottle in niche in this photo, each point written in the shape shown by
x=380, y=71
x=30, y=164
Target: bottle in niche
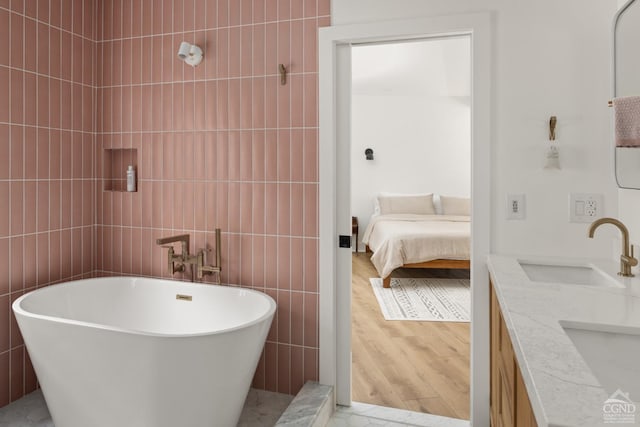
x=131, y=179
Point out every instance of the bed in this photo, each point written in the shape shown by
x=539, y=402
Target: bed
x=409, y=237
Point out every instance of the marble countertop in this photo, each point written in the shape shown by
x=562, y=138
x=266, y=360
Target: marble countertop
x=562, y=388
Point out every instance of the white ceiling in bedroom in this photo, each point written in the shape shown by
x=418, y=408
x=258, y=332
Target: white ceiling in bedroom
x=432, y=67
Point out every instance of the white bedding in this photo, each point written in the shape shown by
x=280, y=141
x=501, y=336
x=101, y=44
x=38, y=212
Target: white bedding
x=408, y=239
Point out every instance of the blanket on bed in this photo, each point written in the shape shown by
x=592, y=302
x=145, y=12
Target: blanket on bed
x=408, y=239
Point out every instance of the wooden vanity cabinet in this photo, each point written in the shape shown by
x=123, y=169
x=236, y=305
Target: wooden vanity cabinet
x=510, y=406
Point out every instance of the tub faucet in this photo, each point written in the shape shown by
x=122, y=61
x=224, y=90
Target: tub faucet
x=627, y=259
x=199, y=267
x=175, y=262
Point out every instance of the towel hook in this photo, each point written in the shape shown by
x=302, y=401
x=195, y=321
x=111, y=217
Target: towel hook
x=283, y=74
x=553, y=121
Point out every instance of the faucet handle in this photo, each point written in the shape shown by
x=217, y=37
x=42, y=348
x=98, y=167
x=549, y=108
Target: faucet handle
x=632, y=260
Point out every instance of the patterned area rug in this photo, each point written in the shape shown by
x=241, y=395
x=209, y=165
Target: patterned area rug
x=433, y=300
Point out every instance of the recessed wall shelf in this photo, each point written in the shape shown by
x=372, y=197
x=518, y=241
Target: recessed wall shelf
x=115, y=165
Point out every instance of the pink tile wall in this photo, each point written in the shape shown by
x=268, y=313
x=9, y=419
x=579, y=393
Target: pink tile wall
x=222, y=145
x=47, y=92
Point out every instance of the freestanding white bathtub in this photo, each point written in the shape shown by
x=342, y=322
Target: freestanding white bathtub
x=137, y=352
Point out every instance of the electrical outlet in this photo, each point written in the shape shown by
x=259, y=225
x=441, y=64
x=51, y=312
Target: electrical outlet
x=585, y=207
x=515, y=206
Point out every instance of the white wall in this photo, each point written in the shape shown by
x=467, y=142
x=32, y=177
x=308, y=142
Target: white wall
x=550, y=58
x=422, y=145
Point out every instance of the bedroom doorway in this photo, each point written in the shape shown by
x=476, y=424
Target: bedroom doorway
x=410, y=204
x=334, y=80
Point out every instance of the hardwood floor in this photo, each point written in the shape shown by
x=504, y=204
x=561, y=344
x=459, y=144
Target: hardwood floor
x=419, y=366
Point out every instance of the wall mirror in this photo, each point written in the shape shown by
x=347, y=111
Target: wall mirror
x=626, y=82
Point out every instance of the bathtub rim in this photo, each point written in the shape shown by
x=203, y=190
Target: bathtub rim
x=17, y=309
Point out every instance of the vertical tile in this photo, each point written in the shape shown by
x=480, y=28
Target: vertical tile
x=297, y=155
x=297, y=369
x=271, y=261
x=284, y=209
x=310, y=100
x=246, y=260
x=246, y=107
x=284, y=155
x=5, y=80
x=16, y=88
x=284, y=263
x=284, y=373
x=271, y=208
x=5, y=151
x=297, y=318
x=310, y=31
x=310, y=8
x=17, y=263
x=17, y=207
x=310, y=364
x=311, y=320
x=4, y=378
x=5, y=209
x=16, y=373
x=43, y=206
x=311, y=265
x=271, y=366
x=284, y=10
x=16, y=57
x=5, y=40
x=42, y=266
x=311, y=210
x=311, y=155
x=43, y=48
x=258, y=262
x=284, y=315
x=5, y=288
x=30, y=253
x=258, y=11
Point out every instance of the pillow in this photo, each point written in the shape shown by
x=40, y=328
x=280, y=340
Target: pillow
x=455, y=205
x=407, y=204
x=376, y=202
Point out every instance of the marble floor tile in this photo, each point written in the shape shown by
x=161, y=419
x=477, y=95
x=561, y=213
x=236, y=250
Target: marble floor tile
x=365, y=415
x=262, y=408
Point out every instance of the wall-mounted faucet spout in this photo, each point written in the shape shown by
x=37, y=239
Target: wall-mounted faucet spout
x=175, y=263
x=184, y=238
x=626, y=258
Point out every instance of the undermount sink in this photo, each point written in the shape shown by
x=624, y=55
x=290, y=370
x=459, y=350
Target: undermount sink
x=611, y=352
x=575, y=274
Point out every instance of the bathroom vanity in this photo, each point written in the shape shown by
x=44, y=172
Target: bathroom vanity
x=565, y=338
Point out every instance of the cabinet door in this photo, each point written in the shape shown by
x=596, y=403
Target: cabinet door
x=524, y=412
x=505, y=404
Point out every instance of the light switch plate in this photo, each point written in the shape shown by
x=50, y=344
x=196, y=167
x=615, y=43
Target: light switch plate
x=585, y=207
x=516, y=206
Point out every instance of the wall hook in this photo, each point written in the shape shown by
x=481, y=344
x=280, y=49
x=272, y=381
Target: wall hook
x=553, y=121
x=283, y=74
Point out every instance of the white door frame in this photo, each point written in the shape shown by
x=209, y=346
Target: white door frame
x=335, y=308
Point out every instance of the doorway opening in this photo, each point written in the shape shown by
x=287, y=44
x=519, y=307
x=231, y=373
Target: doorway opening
x=334, y=80
x=410, y=201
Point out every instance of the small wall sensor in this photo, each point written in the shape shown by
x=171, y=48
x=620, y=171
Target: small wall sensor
x=190, y=53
